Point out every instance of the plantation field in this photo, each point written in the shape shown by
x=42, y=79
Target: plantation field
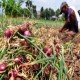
x=6, y=21
x=33, y=49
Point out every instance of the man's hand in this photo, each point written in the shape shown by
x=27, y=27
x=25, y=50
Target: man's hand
x=60, y=30
x=71, y=33
x=64, y=28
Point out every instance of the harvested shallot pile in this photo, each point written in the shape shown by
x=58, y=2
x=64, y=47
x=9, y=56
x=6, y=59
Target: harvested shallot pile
x=30, y=53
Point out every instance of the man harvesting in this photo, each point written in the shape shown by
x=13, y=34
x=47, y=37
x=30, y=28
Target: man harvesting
x=71, y=18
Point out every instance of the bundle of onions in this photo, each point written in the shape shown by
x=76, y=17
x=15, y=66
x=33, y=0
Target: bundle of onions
x=8, y=33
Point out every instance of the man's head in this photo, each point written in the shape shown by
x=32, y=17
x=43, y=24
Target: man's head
x=64, y=8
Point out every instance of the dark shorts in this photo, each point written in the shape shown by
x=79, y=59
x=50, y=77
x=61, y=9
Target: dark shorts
x=73, y=27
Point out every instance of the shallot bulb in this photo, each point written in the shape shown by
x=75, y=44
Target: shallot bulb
x=23, y=28
x=48, y=51
x=17, y=60
x=3, y=66
x=8, y=33
x=14, y=73
x=25, y=43
x=27, y=34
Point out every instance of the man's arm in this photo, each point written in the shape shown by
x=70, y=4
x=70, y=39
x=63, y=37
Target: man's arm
x=65, y=25
x=72, y=16
x=73, y=21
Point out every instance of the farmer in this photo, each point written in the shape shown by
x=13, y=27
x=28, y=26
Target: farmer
x=71, y=17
